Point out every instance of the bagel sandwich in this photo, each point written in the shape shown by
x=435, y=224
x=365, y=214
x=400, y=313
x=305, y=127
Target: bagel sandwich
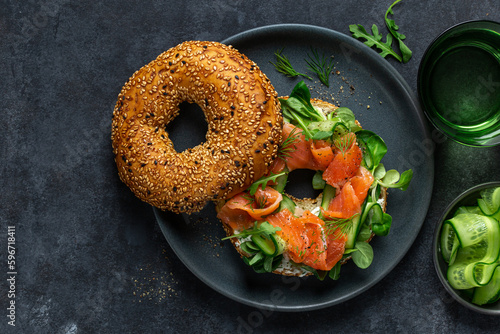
x=275, y=232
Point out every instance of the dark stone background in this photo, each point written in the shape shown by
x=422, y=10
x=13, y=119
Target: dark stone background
x=90, y=256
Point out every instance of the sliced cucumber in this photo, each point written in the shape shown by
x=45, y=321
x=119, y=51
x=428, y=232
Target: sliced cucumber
x=266, y=245
x=449, y=243
x=317, y=181
x=468, y=209
x=328, y=195
x=477, y=256
x=287, y=203
x=339, y=130
x=271, y=246
x=321, y=126
x=281, y=182
x=489, y=203
x=353, y=232
x=489, y=293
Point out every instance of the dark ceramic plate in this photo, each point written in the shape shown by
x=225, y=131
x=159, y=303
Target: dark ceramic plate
x=383, y=103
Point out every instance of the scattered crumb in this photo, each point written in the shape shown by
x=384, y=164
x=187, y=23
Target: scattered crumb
x=154, y=285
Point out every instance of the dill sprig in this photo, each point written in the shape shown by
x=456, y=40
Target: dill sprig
x=284, y=66
x=256, y=203
x=288, y=145
x=322, y=66
x=344, y=225
x=344, y=143
x=301, y=253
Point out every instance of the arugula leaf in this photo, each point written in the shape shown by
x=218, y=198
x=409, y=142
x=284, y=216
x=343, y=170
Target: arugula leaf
x=375, y=39
x=359, y=32
x=393, y=29
x=263, y=182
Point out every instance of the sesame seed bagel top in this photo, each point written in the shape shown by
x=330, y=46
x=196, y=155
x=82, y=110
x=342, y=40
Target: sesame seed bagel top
x=244, y=126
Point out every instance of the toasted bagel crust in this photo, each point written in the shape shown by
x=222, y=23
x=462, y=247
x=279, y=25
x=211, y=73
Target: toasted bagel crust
x=244, y=126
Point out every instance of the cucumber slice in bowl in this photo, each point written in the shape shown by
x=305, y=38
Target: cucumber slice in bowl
x=478, y=288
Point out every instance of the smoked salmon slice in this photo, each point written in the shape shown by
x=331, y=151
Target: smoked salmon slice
x=348, y=201
x=344, y=166
x=310, y=241
x=301, y=156
x=241, y=211
x=322, y=153
x=305, y=154
x=361, y=182
x=345, y=205
x=336, y=247
x=236, y=218
x=306, y=239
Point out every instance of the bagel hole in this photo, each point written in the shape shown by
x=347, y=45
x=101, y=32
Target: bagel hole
x=189, y=128
x=299, y=184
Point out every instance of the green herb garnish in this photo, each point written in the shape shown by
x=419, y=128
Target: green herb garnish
x=288, y=145
x=259, y=203
x=264, y=228
x=393, y=28
x=363, y=257
x=299, y=110
x=263, y=181
x=392, y=178
x=375, y=39
x=374, y=149
x=344, y=225
x=264, y=247
x=344, y=143
x=322, y=66
x=284, y=66
x=359, y=32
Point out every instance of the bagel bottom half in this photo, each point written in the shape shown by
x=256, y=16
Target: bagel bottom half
x=287, y=267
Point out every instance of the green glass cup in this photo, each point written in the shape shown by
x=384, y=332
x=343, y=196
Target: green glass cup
x=459, y=83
